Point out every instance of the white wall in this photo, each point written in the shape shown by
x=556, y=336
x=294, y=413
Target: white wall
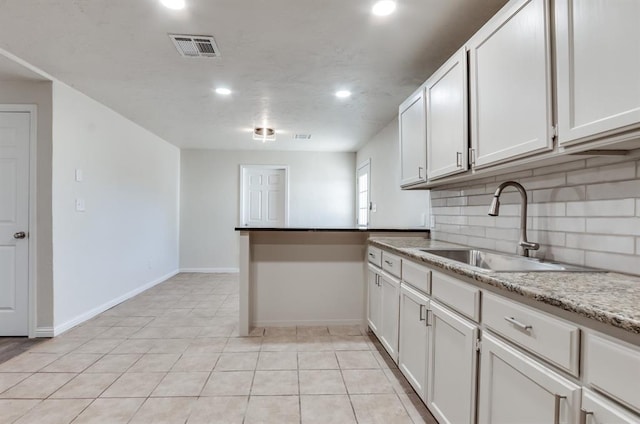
x=39, y=93
x=585, y=212
x=321, y=193
x=127, y=238
x=394, y=207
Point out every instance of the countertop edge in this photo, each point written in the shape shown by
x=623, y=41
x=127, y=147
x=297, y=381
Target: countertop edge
x=501, y=281
x=334, y=229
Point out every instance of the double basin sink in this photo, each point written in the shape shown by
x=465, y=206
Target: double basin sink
x=499, y=262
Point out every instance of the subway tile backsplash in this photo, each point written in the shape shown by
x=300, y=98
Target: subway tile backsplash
x=584, y=212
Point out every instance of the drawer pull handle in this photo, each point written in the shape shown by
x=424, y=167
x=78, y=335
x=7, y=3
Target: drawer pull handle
x=583, y=416
x=388, y=263
x=556, y=413
x=422, y=308
x=518, y=324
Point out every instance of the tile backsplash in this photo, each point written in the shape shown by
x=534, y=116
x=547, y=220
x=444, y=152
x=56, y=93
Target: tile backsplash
x=585, y=212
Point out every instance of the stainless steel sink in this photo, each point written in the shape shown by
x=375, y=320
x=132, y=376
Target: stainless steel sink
x=501, y=262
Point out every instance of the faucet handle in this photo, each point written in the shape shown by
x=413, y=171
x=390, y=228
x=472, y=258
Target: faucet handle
x=528, y=245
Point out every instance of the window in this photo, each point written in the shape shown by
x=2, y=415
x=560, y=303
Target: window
x=362, y=185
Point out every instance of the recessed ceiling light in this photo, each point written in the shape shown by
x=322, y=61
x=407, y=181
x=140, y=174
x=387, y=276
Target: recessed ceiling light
x=343, y=94
x=384, y=7
x=173, y=4
x=223, y=91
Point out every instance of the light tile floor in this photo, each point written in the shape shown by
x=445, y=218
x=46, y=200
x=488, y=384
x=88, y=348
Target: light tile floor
x=172, y=355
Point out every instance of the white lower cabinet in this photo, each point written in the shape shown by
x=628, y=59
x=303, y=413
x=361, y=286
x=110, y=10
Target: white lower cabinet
x=515, y=388
x=598, y=410
x=452, y=366
x=414, y=344
x=383, y=304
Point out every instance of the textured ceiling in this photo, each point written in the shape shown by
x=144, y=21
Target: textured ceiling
x=283, y=59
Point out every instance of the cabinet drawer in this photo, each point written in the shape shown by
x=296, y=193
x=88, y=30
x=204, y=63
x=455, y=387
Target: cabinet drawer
x=375, y=256
x=462, y=297
x=613, y=368
x=546, y=336
x=416, y=275
x=392, y=264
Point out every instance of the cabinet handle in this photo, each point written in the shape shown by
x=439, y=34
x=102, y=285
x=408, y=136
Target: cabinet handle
x=556, y=410
x=583, y=416
x=420, y=172
x=459, y=159
x=472, y=156
x=518, y=324
x=389, y=263
x=422, y=308
x=428, y=322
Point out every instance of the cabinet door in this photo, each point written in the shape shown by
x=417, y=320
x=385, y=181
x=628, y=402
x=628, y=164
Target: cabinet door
x=598, y=410
x=413, y=139
x=511, y=114
x=390, y=314
x=374, y=299
x=412, y=349
x=452, y=367
x=447, y=126
x=516, y=389
x=598, y=67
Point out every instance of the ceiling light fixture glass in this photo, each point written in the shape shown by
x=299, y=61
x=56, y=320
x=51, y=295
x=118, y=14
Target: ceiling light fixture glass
x=223, y=91
x=264, y=134
x=384, y=7
x=173, y=4
x=343, y=94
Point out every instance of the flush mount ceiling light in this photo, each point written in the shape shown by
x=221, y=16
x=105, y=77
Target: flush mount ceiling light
x=264, y=134
x=223, y=91
x=173, y=4
x=343, y=94
x=384, y=7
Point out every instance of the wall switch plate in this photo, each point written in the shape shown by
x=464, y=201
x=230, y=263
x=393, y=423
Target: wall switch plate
x=80, y=205
x=79, y=175
x=374, y=207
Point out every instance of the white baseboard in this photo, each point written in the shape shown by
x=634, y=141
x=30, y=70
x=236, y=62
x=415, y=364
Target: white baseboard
x=212, y=270
x=44, y=332
x=300, y=323
x=59, y=329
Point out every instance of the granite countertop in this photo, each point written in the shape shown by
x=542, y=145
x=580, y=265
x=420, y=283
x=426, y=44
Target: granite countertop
x=608, y=297
x=338, y=229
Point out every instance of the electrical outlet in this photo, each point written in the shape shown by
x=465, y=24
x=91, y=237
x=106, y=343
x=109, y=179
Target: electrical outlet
x=80, y=207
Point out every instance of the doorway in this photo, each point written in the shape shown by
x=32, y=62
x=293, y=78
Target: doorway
x=363, y=190
x=17, y=135
x=264, y=196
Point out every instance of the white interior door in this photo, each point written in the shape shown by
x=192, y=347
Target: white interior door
x=14, y=223
x=364, y=189
x=264, y=197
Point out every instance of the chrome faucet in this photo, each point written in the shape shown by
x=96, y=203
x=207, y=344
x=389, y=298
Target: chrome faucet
x=523, y=245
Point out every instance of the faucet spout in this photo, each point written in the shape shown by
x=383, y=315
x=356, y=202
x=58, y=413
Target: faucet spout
x=524, y=245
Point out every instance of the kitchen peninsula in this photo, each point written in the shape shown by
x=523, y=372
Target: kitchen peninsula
x=305, y=276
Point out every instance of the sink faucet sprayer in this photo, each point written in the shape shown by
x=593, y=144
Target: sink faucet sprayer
x=524, y=244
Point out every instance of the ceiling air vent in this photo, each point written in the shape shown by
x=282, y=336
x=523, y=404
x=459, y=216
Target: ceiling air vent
x=195, y=45
x=302, y=136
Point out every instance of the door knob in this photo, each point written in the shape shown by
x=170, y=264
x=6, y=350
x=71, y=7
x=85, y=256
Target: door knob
x=20, y=235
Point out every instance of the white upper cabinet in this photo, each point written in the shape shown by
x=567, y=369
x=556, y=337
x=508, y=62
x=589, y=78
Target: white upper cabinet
x=413, y=139
x=598, y=67
x=510, y=84
x=447, y=126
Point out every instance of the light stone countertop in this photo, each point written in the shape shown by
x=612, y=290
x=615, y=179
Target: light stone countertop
x=608, y=297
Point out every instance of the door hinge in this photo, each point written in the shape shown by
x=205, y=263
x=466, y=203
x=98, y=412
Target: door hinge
x=478, y=345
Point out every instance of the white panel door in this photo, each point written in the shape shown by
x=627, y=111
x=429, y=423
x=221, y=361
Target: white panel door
x=14, y=220
x=452, y=367
x=510, y=81
x=598, y=67
x=447, y=123
x=390, y=314
x=516, y=389
x=414, y=342
x=413, y=139
x=264, y=197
